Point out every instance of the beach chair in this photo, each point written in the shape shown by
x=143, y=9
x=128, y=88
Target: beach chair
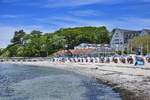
x=139, y=61
x=130, y=60
x=107, y=60
x=148, y=58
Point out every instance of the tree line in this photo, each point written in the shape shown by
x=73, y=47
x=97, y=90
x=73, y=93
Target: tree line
x=140, y=42
x=39, y=44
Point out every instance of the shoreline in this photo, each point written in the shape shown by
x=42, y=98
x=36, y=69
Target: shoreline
x=132, y=83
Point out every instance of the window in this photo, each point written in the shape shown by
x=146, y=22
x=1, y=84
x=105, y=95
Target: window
x=116, y=35
x=116, y=39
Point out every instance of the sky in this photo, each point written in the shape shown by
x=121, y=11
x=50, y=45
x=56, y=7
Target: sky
x=50, y=15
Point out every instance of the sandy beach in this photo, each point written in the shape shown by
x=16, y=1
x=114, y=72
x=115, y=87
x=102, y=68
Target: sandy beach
x=133, y=83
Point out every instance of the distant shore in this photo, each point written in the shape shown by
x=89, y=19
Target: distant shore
x=132, y=83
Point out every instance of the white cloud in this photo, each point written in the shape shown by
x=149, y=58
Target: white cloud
x=5, y=35
x=88, y=12
x=122, y=22
x=136, y=22
x=62, y=3
x=9, y=16
x=133, y=23
x=145, y=1
x=72, y=3
x=9, y=1
x=67, y=3
x=70, y=21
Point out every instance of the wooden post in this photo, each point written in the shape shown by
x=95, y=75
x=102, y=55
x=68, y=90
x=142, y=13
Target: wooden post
x=147, y=47
x=131, y=47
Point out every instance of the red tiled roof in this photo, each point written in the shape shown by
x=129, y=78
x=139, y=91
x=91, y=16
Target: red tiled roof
x=62, y=52
x=81, y=51
x=75, y=51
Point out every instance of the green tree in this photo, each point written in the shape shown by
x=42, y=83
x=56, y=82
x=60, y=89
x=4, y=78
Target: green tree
x=33, y=45
x=31, y=51
x=18, y=37
x=103, y=36
x=140, y=42
x=0, y=51
x=37, y=44
x=12, y=50
x=20, y=51
x=36, y=32
x=5, y=53
x=75, y=36
x=56, y=43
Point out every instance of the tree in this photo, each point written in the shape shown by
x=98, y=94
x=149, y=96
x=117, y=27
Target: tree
x=5, y=53
x=31, y=51
x=12, y=50
x=141, y=42
x=56, y=43
x=18, y=37
x=71, y=37
x=75, y=36
x=37, y=44
x=0, y=51
x=44, y=45
x=33, y=45
x=20, y=51
x=36, y=32
x=103, y=36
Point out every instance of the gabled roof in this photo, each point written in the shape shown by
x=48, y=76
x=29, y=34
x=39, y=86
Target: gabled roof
x=147, y=30
x=62, y=52
x=82, y=51
x=125, y=31
x=75, y=52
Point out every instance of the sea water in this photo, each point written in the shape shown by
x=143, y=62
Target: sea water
x=22, y=82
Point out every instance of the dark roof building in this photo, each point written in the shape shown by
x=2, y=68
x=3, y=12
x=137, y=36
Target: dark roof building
x=121, y=37
x=145, y=32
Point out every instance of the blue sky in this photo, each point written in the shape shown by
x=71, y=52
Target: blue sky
x=50, y=15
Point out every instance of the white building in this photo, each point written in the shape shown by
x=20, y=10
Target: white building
x=97, y=49
x=121, y=37
x=91, y=46
x=145, y=32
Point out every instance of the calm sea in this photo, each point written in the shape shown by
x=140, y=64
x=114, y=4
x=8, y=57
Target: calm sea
x=20, y=82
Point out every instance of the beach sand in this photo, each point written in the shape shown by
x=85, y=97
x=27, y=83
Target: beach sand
x=133, y=83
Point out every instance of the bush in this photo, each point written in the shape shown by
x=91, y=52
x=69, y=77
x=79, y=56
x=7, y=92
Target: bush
x=119, y=52
x=125, y=52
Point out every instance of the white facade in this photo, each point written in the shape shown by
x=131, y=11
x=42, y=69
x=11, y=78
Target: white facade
x=121, y=37
x=90, y=46
x=145, y=32
x=117, y=41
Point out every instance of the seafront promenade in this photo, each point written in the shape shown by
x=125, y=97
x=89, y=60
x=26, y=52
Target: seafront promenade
x=133, y=83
